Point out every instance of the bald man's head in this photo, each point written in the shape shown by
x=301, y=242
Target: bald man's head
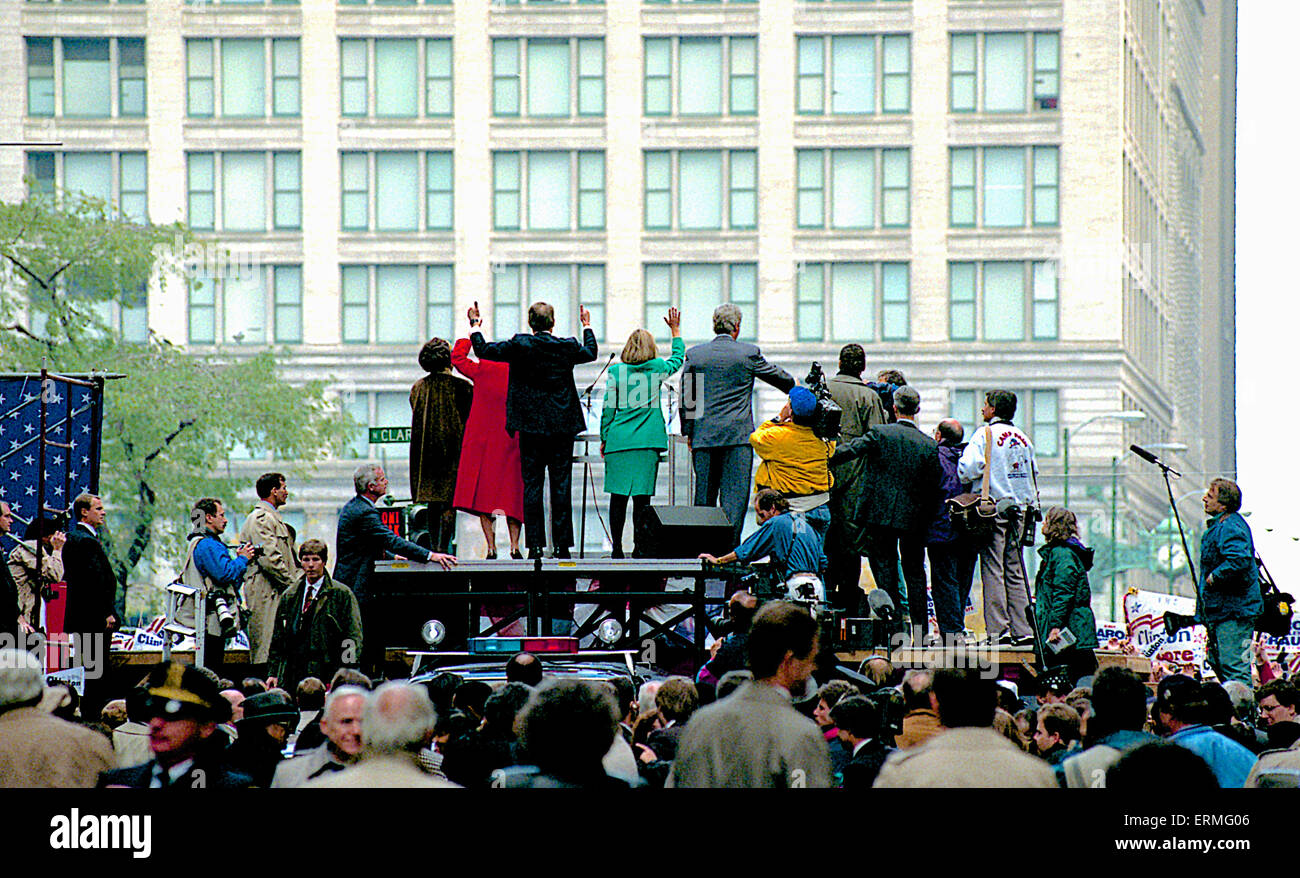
x=950, y=431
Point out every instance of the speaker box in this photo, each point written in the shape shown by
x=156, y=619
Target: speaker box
x=684, y=532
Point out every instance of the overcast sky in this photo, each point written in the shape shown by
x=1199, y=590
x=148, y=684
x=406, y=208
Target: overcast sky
x=1268, y=238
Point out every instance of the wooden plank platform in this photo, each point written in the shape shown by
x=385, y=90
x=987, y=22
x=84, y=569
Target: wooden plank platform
x=984, y=656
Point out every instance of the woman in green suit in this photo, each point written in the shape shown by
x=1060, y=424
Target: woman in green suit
x=632, y=431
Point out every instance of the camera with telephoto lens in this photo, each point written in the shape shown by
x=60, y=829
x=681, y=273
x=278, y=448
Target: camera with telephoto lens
x=258, y=549
x=826, y=419
x=227, y=615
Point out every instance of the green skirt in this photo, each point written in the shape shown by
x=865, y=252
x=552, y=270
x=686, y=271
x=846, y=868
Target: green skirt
x=631, y=472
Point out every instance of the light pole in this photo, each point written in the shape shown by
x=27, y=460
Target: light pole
x=1127, y=416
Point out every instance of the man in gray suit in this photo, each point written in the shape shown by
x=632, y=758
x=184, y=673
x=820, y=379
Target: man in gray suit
x=718, y=414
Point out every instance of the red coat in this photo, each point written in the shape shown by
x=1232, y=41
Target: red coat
x=489, y=477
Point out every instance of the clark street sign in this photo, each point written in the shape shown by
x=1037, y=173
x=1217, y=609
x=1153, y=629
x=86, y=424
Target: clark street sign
x=389, y=435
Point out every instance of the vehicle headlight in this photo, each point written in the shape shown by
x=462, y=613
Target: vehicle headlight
x=433, y=632
x=610, y=632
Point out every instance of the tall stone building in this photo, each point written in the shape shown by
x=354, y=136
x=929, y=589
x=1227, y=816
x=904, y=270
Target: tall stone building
x=1033, y=194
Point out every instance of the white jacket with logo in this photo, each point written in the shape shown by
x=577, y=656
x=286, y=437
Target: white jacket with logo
x=1012, y=468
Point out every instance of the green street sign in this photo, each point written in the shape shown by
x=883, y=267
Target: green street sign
x=389, y=435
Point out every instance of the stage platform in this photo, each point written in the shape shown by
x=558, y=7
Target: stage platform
x=1020, y=659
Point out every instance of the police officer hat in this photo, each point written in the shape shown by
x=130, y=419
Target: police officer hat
x=177, y=691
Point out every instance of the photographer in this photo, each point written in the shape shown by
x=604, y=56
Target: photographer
x=209, y=568
x=785, y=536
x=795, y=461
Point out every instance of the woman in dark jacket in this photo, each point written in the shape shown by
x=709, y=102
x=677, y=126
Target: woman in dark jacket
x=1064, y=598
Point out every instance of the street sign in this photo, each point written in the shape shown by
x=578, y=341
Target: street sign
x=389, y=435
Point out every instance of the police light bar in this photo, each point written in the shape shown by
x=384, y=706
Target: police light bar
x=512, y=645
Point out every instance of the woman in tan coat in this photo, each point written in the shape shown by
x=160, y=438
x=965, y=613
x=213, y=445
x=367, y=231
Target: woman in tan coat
x=22, y=566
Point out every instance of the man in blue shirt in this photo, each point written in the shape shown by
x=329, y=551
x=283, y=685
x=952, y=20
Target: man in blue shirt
x=1228, y=600
x=785, y=536
x=214, y=568
x=1180, y=712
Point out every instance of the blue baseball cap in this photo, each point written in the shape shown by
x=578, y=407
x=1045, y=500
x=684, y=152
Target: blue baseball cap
x=802, y=402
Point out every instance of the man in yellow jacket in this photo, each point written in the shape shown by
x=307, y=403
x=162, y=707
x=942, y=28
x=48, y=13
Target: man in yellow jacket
x=795, y=461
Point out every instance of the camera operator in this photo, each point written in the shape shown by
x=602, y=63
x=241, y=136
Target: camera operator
x=210, y=568
x=795, y=460
x=786, y=536
x=729, y=652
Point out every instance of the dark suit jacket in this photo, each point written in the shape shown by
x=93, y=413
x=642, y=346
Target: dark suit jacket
x=361, y=540
x=900, y=482
x=312, y=646
x=215, y=776
x=8, y=598
x=862, y=769
x=541, y=396
x=92, y=587
x=718, y=389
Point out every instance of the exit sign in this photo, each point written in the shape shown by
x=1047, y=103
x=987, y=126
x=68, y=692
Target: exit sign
x=389, y=435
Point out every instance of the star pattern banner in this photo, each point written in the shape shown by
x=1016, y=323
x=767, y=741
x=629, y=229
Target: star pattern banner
x=74, y=416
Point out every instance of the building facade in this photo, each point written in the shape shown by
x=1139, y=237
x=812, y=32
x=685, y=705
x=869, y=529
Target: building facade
x=1031, y=194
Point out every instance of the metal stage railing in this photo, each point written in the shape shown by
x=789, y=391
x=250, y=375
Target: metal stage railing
x=629, y=591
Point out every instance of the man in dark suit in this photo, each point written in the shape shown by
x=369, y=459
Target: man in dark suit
x=900, y=485
x=858, y=720
x=361, y=540
x=184, y=708
x=9, y=610
x=92, y=588
x=718, y=414
x=542, y=407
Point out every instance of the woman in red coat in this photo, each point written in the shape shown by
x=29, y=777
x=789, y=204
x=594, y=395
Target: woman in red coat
x=489, y=482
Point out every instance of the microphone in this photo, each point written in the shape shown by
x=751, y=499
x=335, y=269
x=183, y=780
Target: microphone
x=1151, y=458
x=594, y=381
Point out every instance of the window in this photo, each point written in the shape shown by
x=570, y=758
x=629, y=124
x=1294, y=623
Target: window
x=837, y=301
x=1002, y=301
x=399, y=178
x=714, y=76
x=1037, y=413
x=548, y=77
x=243, y=78
x=563, y=286
x=396, y=304
x=712, y=190
x=120, y=178
x=697, y=289
x=854, y=74
x=1004, y=186
x=548, y=191
x=411, y=78
x=387, y=2
x=97, y=78
x=837, y=188
x=233, y=306
x=246, y=188
x=1012, y=72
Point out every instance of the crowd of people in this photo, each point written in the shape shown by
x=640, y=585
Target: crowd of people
x=762, y=727
x=879, y=487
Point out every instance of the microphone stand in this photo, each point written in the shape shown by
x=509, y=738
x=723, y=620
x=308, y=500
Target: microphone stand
x=586, y=462
x=1166, y=471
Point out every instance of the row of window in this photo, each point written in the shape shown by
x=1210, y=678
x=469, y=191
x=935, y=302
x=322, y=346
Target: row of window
x=549, y=190
x=844, y=74
x=834, y=301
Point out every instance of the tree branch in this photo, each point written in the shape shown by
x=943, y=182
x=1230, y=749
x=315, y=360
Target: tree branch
x=23, y=330
x=27, y=271
x=167, y=441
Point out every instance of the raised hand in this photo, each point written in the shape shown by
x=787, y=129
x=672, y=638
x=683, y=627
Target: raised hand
x=585, y=316
x=475, y=319
x=674, y=321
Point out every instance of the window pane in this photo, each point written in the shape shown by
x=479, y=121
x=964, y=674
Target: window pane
x=87, y=89
x=811, y=193
x=396, y=78
x=810, y=303
x=437, y=75
x=1045, y=293
x=852, y=188
x=591, y=190
x=1047, y=65
x=591, y=77
x=1046, y=207
x=700, y=66
x=356, y=303
x=811, y=74
x=287, y=92
x=202, y=181
x=505, y=205
x=507, y=314
x=288, y=190
x=658, y=185
x=134, y=186
x=964, y=409
x=853, y=74
x=658, y=292
x=853, y=301
x=357, y=406
x=202, y=315
x=392, y=409
x=396, y=191
x=89, y=172
x=288, y=304
x=1004, y=186
x=243, y=78
x=505, y=77
x=894, y=296
x=244, y=306
x=700, y=288
x=548, y=190
x=243, y=191
x=440, y=290
x=962, y=193
x=131, y=77
x=591, y=293
x=658, y=77
x=1045, y=428
x=963, y=72
x=700, y=189
x=744, y=294
x=356, y=185
x=353, y=71
x=1004, y=73
x=744, y=201
x=439, y=190
x=744, y=75
x=397, y=299
x=548, y=77
x=40, y=76
x=896, y=172
x=1004, y=301
x=961, y=294
x=897, y=67
x=550, y=283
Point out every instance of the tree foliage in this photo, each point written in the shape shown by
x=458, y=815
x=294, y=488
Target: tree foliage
x=170, y=424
